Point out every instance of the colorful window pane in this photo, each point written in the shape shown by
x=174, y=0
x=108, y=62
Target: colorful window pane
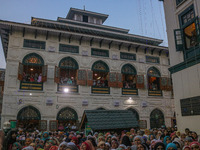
x=100, y=66
x=33, y=59
x=67, y=114
x=68, y=63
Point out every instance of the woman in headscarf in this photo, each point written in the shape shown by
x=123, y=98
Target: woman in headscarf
x=71, y=147
x=101, y=145
x=10, y=139
x=194, y=136
x=45, y=136
x=159, y=146
x=195, y=145
x=16, y=146
x=62, y=146
x=92, y=139
x=138, y=140
x=142, y=147
x=179, y=143
x=87, y=145
x=171, y=146
x=167, y=140
x=188, y=140
x=126, y=142
x=75, y=141
x=114, y=144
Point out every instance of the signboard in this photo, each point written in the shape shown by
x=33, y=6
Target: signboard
x=127, y=56
x=13, y=124
x=142, y=124
x=100, y=52
x=87, y=129
x=151, y=59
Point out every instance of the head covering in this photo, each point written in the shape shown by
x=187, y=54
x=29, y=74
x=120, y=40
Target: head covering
x=28, y=148
x=171, y=145
x=53, y=147
x=89, y=145
x=72, y=147
x=194, y=143
x=122, y=146
x=159, y=144
x=165, y=140
x=180, y=143
x=186, y=147
x=189, y=139
x=75, y=139
x=63, y=143
x=45, y=138
x=102, y=142
x=107, y=144
x=141, y=139
x=18, y=145
x=134, y=147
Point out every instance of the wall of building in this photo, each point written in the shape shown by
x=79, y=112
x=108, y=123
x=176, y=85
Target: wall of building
x=12, y=94
x=185, y=82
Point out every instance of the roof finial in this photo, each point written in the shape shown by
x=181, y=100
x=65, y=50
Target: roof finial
x=83, y=7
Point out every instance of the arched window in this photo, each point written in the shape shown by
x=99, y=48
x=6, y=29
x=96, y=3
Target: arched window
x=29, y=113
x=68, y=68
x=153, y=79
x=32, y=72
x=129, y=76
x=156, y=119
x=67, y=113
x=100, y=74
x=29, y=118
x=135, y=113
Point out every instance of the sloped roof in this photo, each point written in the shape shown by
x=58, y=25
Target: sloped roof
x=109, y=119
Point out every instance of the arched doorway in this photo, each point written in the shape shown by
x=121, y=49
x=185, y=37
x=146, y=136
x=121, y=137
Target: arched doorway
x=67, y=118
x=156, y=119
x=135, y=113
x=129, y=76
x=28, y=118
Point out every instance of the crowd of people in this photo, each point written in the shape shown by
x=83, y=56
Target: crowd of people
x=155, y=139
x=32, y=77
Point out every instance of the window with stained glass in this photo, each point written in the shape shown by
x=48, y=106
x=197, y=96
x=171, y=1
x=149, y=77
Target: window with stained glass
x=67, y=114
x=129, y=76
x=32, y=68
x=68, y=68
x=156, y=119
x=153, y=79
x=29, y=113
x=100, y=74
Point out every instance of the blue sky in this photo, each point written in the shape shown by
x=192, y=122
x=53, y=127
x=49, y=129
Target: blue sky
x=141, y=17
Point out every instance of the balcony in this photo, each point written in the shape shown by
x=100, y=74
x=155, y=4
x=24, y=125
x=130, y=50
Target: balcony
x=38, y=86
x=71, y=88
x=155, y=92
x=100, y=90
x=129, y=91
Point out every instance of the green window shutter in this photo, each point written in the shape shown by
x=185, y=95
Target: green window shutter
x=197, y=28
x=178, y=33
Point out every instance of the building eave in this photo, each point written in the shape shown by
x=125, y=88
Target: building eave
x=9, y=26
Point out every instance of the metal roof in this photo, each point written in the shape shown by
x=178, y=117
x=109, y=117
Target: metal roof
x=109, y=119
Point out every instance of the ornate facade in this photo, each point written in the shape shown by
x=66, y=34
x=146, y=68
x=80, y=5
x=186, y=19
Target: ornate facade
x=57, y=69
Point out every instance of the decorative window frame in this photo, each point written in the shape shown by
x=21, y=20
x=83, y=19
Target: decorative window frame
x=42, y=46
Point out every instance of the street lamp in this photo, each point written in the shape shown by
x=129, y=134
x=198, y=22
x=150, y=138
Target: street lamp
x=66, y=90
